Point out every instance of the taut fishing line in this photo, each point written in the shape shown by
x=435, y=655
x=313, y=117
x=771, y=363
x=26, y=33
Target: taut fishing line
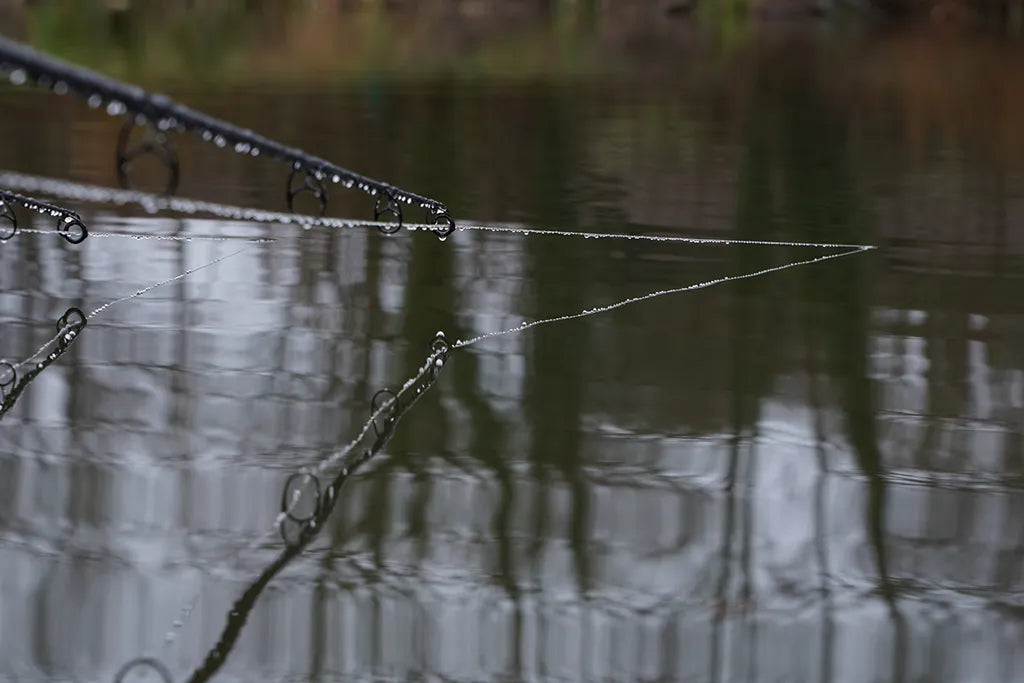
x=525, y=325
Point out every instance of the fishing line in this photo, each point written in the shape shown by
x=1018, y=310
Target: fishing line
x=524, y=231
x=651, y=295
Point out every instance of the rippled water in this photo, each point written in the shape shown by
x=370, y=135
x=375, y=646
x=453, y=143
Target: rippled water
x=816, y=474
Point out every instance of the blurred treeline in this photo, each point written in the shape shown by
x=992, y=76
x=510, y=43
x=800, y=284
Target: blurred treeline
x=237, y=40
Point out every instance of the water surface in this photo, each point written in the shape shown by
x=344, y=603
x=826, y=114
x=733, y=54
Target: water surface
x=812, y=475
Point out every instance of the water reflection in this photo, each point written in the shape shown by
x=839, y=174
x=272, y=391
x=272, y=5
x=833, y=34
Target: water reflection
x=640, y=530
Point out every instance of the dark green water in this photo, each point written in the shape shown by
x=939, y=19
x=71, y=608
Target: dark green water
x=814, y=475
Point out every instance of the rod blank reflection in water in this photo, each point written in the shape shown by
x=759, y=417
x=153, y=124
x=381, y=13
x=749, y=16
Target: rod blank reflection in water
x=69, y=326
x=299, y=528
x=161, y=114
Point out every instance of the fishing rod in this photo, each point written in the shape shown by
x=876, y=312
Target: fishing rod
x=69, y=223
x=69, y=326
x=160, y=114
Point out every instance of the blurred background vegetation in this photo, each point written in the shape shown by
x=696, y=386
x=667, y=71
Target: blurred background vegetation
x=240, y=40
